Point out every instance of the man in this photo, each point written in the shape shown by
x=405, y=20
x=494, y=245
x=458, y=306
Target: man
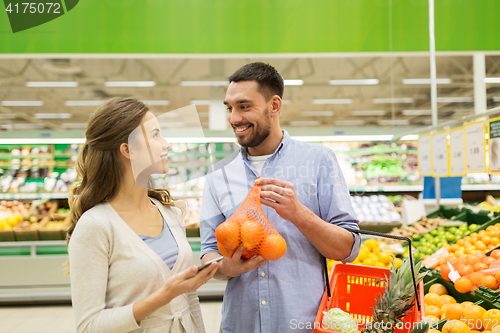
x=304, y=196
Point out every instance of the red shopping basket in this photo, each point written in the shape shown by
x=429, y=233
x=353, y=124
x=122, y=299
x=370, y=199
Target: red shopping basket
x=354, y=290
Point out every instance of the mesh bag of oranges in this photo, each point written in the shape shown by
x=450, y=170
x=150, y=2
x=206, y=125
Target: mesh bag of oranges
x=250, y=228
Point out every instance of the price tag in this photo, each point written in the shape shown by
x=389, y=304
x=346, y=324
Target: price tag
x=474, y=147
x=457, y=155
x=439, y=154
x=424, y=155
x=494, y=137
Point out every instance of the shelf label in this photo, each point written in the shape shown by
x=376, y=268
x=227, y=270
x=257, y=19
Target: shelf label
x=439, y=154
x=457, y=155
x=474, y=147
x=424, y=155
x=494, y=144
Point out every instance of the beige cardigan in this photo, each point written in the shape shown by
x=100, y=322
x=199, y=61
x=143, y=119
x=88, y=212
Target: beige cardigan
x=112, y=268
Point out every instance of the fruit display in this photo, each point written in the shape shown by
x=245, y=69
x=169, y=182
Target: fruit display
x=370, y=254
x=490, y=204
x=12, y=213
x=475, y=270
x=374, y=208
x=440, y=238
x=250, y=228
x=415, y=229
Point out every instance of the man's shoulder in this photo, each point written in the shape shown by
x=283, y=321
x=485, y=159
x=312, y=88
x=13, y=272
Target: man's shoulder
x=316, y=149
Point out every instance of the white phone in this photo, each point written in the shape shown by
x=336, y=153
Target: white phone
x=205, y=265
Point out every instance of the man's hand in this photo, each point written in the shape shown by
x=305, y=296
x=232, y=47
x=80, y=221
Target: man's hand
x=234, y=266
x=280, y=195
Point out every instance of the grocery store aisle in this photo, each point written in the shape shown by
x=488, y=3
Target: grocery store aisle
x=59, y=319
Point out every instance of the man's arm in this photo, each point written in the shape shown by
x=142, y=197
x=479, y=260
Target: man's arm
x=331, y=241
x=235, y=266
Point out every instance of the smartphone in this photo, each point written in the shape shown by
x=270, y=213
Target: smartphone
x=205, y=265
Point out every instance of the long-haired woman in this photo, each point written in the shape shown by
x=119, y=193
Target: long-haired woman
x=130, y=264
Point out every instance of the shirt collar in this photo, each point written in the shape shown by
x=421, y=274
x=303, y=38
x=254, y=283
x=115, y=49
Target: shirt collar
x=285, y=140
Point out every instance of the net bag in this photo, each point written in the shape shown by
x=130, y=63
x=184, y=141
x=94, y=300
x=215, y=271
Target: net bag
x=250, y=228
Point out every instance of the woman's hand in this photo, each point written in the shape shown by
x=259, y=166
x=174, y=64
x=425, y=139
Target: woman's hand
x=188, y=280
x=178, y=284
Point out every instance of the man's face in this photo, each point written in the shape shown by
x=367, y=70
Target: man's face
x=248, y=112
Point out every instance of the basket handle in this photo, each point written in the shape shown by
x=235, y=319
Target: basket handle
x=373, y=233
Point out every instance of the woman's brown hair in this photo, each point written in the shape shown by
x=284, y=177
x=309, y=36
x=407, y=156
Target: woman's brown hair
x=98, y=166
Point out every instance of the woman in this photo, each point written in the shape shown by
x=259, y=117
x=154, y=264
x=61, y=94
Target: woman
x=130, y=263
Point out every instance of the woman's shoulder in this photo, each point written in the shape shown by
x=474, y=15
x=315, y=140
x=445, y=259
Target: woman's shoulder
x=94, y=218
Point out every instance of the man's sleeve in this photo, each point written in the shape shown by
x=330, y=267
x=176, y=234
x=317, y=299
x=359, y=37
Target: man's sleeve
x=335, y=200
x=210, y=217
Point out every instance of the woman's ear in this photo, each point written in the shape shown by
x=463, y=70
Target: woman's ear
x=124, y=150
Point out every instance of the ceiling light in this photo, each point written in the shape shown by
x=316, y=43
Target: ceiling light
x=426, y=81
x=305, y=123
x=332, y=101
x=492, y=80
x=74, y=125
x=63, y=84
x=411, y=137
x=349, y=122
x=316, y=113
x=204, y=83
x=454, y=99
x=22, y=103
x=200, y=101
x=82, y=103
x=417, y=112
x=392, y=100
x=52, y=115
x=343, y=138
x=130, y=84
x=368, y=113
x=156, y=102
x=28, y=126
x=353, y=82
x=7, y=116
x=395, y=122
x=293, y=82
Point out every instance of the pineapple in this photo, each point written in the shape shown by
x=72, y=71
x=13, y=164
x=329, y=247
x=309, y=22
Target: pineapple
x=397, y=299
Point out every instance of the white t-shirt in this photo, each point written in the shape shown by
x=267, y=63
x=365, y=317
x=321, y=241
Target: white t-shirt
x=258, y=161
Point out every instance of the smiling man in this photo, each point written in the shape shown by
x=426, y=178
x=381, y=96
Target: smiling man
x=304, y=196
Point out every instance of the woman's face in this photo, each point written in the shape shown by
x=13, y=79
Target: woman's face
x=148, y=150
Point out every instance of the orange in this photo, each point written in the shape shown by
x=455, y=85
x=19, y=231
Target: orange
x=454, y=311
x=480, y=256
x=490, y=260
x=495, y=241
x=490, y=228
x=466, y=304
x=432, y=310
x=489, y=281
x=248, y=254
x=224, y=251
x=471, y=259
x=453, y=247
x=480, y=266
x=480, y=245
x=431, y=319
x=444, y=299
x=497, y=276
x=455, y=326
x=445, y=270
x=228, y=235
x=475, y=278
x=495, y=254
x=491, y=318
x=481, y=233
x=490, y=247
x=438, y=288
x=252, y=233
x=470, y=249
x=443, y=309
x=273, y=247
x=496, y=329
x=431, y=299
x=486, y=240
x=473, y=315
x=460, y=252
x=463, y=285
x=432, y=330
x=465, y=270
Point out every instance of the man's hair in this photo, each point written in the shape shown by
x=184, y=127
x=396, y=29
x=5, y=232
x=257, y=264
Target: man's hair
x=269, y=80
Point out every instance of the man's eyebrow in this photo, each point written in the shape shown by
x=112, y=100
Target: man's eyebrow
x=241, y=101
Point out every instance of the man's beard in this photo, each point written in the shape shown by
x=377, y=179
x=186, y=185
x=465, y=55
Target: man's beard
x=258, y=136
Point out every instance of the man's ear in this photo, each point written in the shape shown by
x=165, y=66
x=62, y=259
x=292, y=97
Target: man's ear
x=276, y=104
x=124, y=150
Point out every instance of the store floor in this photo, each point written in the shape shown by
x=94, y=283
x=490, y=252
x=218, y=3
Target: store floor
x=59, y=319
